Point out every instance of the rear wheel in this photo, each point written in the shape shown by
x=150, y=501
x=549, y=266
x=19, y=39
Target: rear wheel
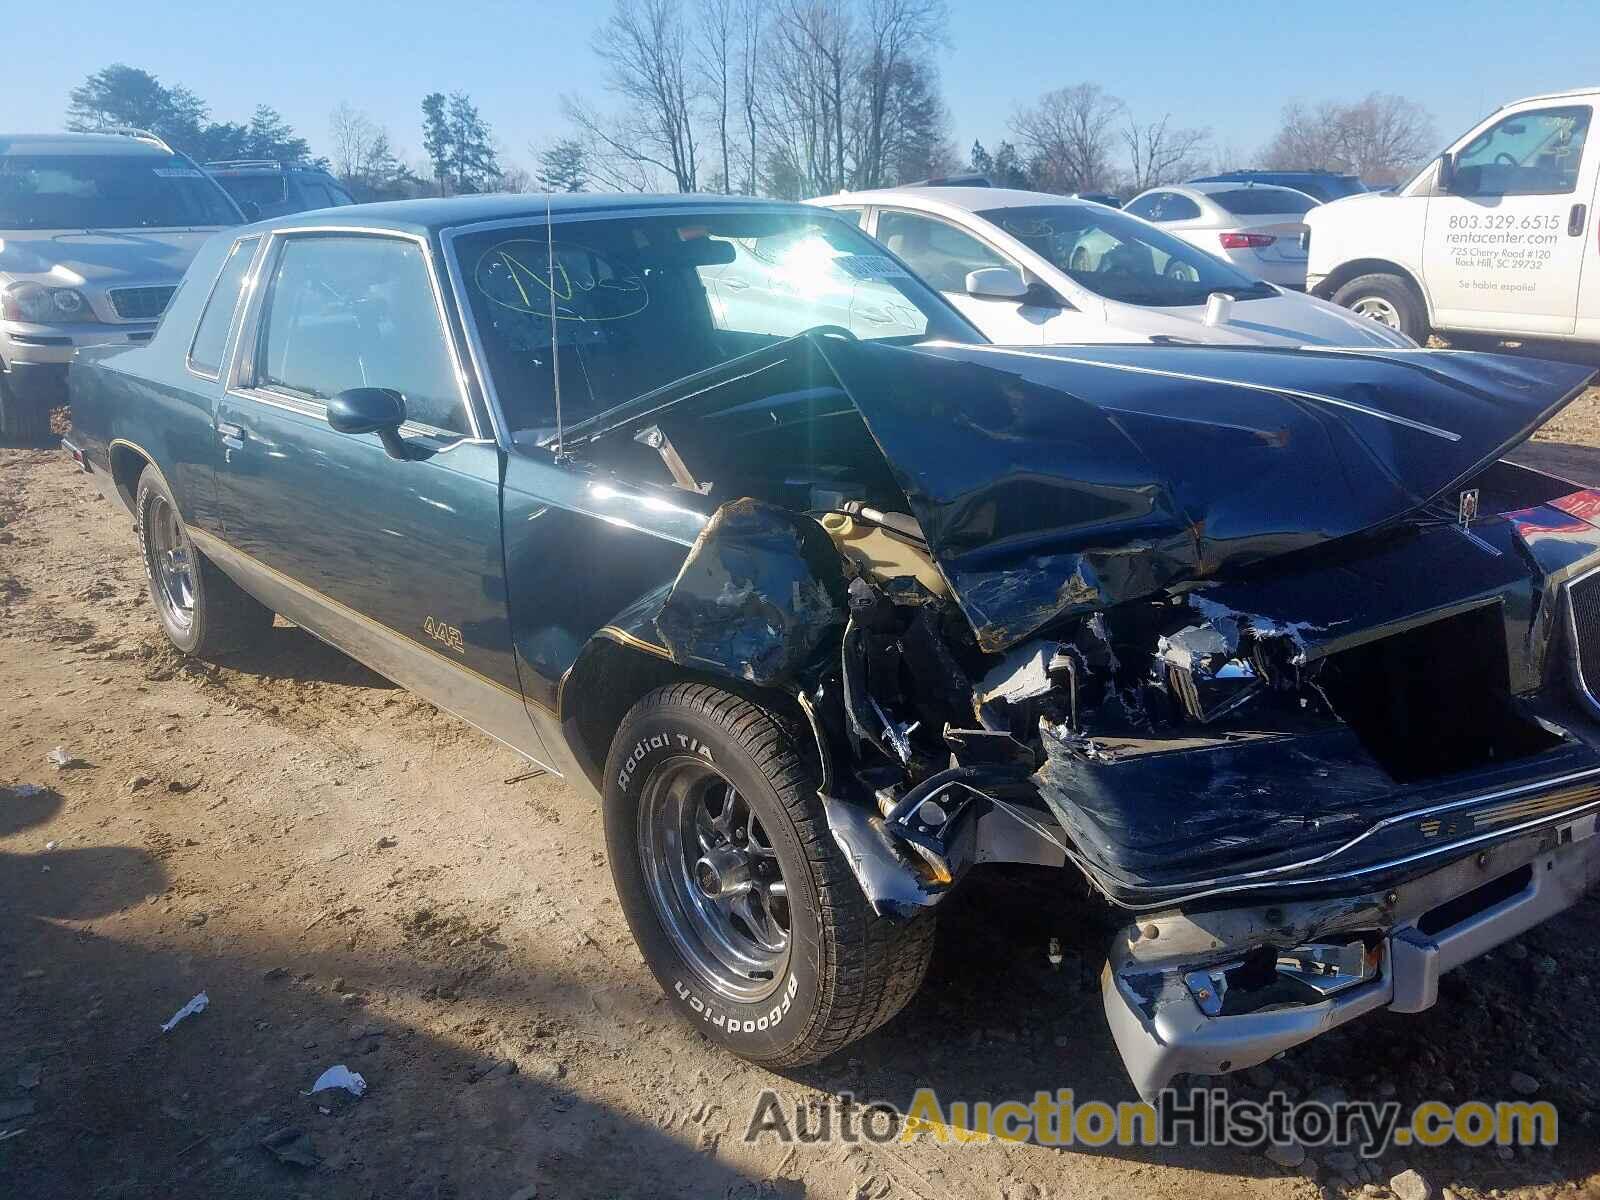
x=201, y=610
x=737, y=894
x=1388, y=300
x=22, y=419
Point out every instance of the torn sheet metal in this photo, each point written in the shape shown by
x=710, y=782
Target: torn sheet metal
x=891, y=884
x=760, y=592
x=1089, y=476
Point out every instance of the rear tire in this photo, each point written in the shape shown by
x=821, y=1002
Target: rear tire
x=1389, y=300
x=842, y=970
x=22, y=419
x=201, y=610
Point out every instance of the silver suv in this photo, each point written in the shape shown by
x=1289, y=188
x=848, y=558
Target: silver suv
x=96, y=230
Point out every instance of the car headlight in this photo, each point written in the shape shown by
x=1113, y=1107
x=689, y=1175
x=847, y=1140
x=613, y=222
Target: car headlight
x=40, y=305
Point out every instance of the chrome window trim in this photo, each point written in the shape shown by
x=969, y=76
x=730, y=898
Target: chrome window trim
x=250, y=327
x=533, y=220
x=233, y=321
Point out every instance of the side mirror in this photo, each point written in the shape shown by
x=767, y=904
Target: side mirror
x=997, y=283
x=371, y=410
x=251, y=211
x=1446, y=181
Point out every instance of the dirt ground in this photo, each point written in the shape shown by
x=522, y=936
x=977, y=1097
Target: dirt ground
x=354, y=878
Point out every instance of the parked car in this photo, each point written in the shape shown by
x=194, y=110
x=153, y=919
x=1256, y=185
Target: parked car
x=95, y=233
x=824, y=619
x=1256, y=227
x=1321, y=186
x=267, y=188
x=1495, y=238
x=1030, y=268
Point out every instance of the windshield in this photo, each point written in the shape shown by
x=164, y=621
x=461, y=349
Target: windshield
x=265, y=190
x=1256, y=201
x=108, y=191
x=641, y=302
x=1123, y=259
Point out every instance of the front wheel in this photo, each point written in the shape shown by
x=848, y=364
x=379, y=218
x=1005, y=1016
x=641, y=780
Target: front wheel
x=737, y=895
x=202, y=611
x=1388, y=300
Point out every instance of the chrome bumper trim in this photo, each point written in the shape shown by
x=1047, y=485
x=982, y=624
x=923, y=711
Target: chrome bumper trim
x=1161, y=1031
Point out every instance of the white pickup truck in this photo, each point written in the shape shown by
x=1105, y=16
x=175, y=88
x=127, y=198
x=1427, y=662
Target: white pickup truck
x=1497, y=236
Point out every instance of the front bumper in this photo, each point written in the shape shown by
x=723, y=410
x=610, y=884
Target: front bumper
x=21, y=342
x=1421, y=929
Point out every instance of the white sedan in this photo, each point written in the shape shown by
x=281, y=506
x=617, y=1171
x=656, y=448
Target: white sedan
x=1254, y=226
x=1035, y=269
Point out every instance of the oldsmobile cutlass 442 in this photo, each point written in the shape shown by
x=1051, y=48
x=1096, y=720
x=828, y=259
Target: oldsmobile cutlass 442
x=830, y=600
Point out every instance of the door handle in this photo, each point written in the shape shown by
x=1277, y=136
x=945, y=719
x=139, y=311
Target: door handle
x=1575, y=220
x=232, y=435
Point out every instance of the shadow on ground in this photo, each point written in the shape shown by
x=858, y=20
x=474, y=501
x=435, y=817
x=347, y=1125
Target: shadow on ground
x=100, y=1103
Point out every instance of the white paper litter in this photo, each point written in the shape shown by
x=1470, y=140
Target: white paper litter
x=198, y=1004
x=61, y=758
x=340, y=1076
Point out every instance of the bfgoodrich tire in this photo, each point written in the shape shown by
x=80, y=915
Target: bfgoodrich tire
x=1388, y=299
x=737, y=894
x=201, y=610
x=23, y=419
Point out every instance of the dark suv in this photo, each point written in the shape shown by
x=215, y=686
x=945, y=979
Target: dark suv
x=1322, y=186
x=276, y=189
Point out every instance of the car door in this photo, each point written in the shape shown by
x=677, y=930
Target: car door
x=1504, y=246
x=942, y=255
x=396, y=562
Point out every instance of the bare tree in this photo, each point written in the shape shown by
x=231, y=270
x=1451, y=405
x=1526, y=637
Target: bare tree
x=810, y=67
x=1158, y=153
x=1382, y=137
x=717, y=21
x=364, y=160
x=1068, y=137
x=752, y=31
x=645, y=46
x=900, y=35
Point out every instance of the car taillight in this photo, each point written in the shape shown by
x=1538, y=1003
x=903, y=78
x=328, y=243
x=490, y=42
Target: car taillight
x=1246, y=241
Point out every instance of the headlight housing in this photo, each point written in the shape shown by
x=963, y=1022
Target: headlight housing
x=41, y=305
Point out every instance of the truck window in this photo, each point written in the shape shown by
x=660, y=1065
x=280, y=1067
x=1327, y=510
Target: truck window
x=211, y=336
x=1525, y=154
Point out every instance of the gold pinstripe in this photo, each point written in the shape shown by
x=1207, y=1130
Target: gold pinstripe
x=202, y=538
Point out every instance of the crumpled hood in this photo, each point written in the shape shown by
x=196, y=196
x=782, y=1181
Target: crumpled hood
x=1064, y=480
x=75, y=259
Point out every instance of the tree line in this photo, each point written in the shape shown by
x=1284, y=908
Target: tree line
x=786, y=98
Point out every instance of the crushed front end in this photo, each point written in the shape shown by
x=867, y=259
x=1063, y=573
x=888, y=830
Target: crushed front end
x=1274, y=649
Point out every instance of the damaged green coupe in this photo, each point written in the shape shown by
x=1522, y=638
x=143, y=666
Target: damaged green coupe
x=715, y=508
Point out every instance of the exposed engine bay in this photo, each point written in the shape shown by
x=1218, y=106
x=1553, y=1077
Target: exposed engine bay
x=1207, y=639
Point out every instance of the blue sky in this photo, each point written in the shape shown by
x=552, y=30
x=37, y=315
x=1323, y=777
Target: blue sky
x=1230, y=65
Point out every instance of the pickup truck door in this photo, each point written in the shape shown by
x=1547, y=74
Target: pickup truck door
x=1588, y=314
x=396, y=562
x=1504, y=247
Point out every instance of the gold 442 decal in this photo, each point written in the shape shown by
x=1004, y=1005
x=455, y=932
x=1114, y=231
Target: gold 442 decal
x=450, y=635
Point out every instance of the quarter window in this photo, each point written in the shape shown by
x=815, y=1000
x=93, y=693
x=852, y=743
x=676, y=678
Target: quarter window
x=1148, y=207
x=940, y=253
x=1525, y=154
x=346, y=312
x=211, y=336
x=1178, y=208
